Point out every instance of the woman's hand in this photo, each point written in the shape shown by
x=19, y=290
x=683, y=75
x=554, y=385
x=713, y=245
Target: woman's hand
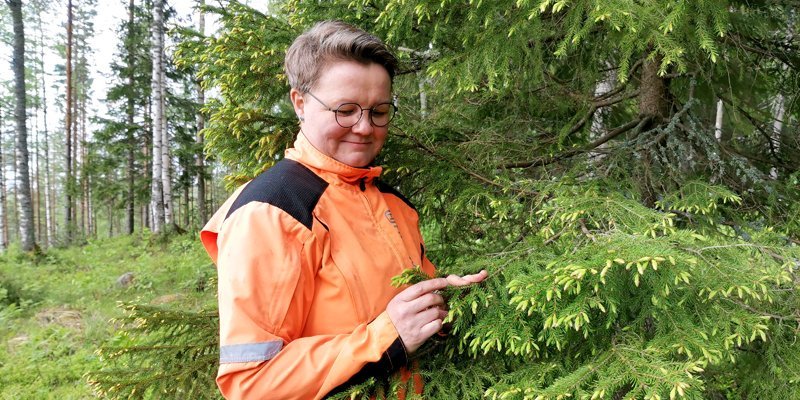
x=417, y=312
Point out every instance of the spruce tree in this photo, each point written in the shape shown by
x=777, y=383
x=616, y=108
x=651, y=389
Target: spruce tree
x=667, y=268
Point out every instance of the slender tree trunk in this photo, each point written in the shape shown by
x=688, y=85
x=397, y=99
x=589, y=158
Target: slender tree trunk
x=779, y=103
x=186, y=189
x=36, y=197
x=50, y=233
x=23, y=174
x=68, y=221
x=598, y=127
x=423, y=95
x=77, y=135
x=718, y=121
x=211, y=195
x=778, y=112
x=110, y=219
x=166, y=161
x=144, y=217
x=3, y=210
x=157, y=196
x=147, y=152
x=35, y=186
x=201, y=168
x=86, y=212
x=653, y=104
x=129, y=111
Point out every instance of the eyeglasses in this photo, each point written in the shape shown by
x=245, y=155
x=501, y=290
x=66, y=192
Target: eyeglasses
x=349, y=114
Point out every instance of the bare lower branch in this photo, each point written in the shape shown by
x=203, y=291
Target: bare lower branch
x=636, y=124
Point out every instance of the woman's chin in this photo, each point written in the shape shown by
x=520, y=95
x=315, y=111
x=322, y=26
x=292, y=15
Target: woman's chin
x=356, y=160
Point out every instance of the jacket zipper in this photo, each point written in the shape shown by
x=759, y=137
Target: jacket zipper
x=362, y=185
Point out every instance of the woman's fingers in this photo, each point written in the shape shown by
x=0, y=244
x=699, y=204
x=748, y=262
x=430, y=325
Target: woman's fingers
x=455, y=280
x=426, y=301
x=418, y=311
x=419, y=289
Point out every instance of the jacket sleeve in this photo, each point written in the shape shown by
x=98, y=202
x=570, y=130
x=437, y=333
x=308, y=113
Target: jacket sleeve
x=267, y=262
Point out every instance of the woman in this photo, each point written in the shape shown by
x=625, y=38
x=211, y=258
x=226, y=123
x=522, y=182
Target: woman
x=306, y=251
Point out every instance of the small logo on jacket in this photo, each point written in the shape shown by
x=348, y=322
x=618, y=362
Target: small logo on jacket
x=390, y=217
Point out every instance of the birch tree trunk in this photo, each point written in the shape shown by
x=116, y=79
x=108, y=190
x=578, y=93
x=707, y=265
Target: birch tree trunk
x=718, y=121
x=166, y=161
x=598, y=127
x=27, y=240
x=157, y=195
x=778, y=112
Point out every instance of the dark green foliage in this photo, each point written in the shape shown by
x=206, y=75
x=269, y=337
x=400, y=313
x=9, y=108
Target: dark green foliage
x=255, y=123
x=174, y=355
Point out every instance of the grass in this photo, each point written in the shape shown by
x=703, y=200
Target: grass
x=58, y=308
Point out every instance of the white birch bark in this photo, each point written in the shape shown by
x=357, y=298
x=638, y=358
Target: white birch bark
x=24, y=201
x=778, y=112
x=166, y=161
x=598, y=127
x=157, y=196
x=718, y=121
x=779, y=103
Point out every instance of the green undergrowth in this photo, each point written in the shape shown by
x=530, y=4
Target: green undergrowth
x=59, y=307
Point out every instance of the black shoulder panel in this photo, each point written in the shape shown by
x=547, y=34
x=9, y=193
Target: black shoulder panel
x=289, y=186
x=385, y=188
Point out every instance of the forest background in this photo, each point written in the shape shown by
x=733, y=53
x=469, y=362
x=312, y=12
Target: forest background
x=626, y=170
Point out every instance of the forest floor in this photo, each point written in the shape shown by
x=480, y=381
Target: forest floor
x=58, y=308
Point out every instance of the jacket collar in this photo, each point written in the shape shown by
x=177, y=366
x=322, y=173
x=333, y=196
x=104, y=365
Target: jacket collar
x=330, y=169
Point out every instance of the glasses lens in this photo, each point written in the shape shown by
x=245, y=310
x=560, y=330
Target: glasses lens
x=348, y=114
x=382, y=114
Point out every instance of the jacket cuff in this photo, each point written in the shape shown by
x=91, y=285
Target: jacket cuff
x=392, y=359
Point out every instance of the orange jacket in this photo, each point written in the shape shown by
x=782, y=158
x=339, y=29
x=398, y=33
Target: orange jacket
x=305, y=254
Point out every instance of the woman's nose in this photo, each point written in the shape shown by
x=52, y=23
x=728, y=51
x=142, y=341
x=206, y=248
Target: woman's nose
x=364, y=125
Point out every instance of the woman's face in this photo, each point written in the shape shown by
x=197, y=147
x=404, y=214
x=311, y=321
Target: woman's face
x=345, y=82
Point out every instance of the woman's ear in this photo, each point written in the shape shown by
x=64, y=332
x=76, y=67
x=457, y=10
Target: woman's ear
x=298, y=102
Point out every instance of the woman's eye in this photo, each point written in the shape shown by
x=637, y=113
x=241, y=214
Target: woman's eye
x=346, y=110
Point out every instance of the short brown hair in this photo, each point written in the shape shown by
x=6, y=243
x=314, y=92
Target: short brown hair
x=330, y=41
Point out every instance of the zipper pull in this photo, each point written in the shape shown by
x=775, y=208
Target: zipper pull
x=362, y=184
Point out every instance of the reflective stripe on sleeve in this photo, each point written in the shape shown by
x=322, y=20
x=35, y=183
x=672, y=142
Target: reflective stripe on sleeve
x=249, y=352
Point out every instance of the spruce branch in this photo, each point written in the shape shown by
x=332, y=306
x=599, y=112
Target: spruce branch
x=635, y=125
x=459, y=165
